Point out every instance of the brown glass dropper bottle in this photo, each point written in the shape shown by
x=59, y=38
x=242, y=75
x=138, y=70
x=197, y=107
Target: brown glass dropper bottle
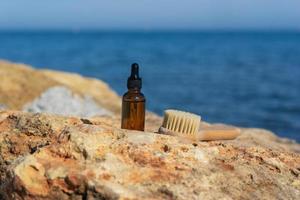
x=133, y=102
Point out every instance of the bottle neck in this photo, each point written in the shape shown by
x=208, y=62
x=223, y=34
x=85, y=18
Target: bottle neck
x=134, y=90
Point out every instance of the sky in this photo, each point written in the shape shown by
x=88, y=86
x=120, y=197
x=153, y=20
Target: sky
x=150, y=14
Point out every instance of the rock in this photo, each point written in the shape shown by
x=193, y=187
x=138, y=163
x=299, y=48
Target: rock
x=97, y=89
x=61, y=100
x=45, y=156
x=3, y=107
x=22, y=86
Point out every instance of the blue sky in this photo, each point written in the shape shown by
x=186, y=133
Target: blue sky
x=150, y=14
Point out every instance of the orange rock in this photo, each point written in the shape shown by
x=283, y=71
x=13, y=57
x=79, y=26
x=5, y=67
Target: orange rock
x=53, y=157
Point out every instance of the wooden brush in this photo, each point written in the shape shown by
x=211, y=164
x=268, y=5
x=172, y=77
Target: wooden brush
x=187, y=125
x=179, y=123
x=182, y=122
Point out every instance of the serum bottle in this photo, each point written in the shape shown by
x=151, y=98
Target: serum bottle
x=133, y=102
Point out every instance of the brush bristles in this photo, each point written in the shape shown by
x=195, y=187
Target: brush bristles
x=181, y=122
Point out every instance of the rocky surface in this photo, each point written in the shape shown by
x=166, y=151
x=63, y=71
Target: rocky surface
x=25, y=88
x=54, y=157
x=60, y=100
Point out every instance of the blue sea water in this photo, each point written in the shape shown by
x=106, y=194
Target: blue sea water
x=249, y=79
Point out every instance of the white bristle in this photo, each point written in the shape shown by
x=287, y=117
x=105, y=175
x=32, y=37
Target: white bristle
x=181, y=122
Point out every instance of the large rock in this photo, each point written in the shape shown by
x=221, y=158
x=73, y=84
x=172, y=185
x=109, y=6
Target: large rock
x=54, y=157
x=25, y=88
x=62, y=101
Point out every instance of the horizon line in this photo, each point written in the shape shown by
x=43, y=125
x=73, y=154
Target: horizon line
x=148, y=30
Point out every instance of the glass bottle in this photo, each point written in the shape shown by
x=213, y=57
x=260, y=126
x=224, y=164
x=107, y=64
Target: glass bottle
x=133, y=102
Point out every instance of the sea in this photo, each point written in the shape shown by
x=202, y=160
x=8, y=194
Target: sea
x=244, y=78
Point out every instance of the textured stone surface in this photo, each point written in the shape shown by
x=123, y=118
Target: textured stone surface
x=60, y=100
x=21, y=85
x=54, y=157
x=94, y=88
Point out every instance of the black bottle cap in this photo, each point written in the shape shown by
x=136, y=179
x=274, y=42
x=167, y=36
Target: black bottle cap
x=134, y=81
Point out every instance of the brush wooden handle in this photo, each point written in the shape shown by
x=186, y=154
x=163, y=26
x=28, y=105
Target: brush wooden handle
x=207, y=133
x=218, y=132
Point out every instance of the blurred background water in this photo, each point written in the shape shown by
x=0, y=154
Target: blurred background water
x=249, y=79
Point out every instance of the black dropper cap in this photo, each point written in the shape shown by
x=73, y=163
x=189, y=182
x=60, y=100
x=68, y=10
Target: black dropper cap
x=134, y=81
